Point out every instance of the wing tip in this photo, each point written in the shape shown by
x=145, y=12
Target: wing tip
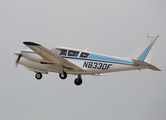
x=31, y=43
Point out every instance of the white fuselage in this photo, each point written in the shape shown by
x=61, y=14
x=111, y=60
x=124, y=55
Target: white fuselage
x=65, y=60
x=93, y=64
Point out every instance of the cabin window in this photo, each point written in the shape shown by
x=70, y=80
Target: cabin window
x=84, y=55
x=63, y=52
x=73, y=53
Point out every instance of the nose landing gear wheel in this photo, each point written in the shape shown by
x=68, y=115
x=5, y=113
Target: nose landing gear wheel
x=38, y=75
x=78, y=81
x=63, y=75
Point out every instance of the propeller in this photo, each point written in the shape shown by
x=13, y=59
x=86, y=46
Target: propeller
x=18, y=59
x=19, y=55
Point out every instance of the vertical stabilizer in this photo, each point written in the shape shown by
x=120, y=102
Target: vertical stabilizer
x=144, y=52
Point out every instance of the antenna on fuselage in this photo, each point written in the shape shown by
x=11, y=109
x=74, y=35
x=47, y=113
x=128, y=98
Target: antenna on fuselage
x=87, y=48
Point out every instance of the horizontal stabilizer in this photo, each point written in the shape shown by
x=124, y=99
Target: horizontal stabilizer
x=153, y=68
x=140, y=62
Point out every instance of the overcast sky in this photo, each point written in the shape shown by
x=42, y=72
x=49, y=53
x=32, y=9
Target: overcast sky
x=111, y=27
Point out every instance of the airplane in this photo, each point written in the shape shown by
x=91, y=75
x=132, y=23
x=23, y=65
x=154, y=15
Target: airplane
x=64, y=60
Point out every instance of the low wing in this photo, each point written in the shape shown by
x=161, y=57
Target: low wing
x=52, y=57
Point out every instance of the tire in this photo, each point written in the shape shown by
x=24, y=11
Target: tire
x=63, y=75
x=38, y=75
x=78, y=81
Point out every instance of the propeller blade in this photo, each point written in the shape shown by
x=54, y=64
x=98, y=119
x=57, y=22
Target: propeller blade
x=18, y=59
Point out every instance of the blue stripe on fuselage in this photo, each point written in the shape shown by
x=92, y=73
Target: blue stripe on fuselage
x=28, y=52
x=99, y=58
x=93, y=57
x=110, y=59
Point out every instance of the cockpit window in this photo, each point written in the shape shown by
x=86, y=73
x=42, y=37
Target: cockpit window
x=60, y=51
x=73, y=53
x=84, y=55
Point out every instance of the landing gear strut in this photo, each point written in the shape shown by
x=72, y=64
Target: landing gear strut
x=63, y=75
x=78, y=81
x=38, y=75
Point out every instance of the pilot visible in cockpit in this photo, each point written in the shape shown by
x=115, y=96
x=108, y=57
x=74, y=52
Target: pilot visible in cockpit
x=63, y=52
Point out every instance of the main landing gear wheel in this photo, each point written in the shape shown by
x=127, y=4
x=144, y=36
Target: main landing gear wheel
x=63, y=75
x=78, y=81
x=38, y=75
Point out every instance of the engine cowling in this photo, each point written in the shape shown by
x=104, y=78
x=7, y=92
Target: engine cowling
x=32, y=56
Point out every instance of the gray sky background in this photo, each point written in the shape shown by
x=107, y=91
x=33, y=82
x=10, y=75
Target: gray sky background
x=111, y=27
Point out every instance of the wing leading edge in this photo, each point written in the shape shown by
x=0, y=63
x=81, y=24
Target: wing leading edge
x=52, y=57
